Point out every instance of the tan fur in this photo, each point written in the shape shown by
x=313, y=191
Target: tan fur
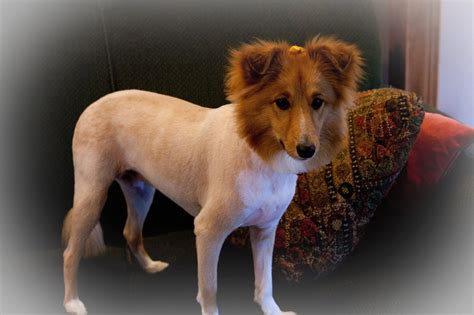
x=229, y=167
x=94, y=246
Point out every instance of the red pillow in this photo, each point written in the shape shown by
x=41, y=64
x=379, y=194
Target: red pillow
x=439, y=143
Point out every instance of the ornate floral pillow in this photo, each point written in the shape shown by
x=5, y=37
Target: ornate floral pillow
x=331, y=207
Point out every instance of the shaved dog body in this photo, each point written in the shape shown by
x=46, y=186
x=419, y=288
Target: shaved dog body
x=228, y=167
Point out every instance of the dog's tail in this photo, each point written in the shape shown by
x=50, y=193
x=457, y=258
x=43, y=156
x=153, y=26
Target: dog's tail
x=95, y=245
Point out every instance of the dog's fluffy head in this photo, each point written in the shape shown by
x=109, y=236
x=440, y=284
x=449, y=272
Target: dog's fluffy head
x=289, y=96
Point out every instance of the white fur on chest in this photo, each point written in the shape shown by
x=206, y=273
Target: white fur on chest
x=265, y=195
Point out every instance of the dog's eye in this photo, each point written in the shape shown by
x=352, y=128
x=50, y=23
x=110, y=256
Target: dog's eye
x=282, y=103
x=317, y=103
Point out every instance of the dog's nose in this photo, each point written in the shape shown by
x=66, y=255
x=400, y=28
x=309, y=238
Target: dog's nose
x=305, y=151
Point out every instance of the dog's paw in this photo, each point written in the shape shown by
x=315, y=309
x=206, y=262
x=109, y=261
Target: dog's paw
x=281, y=313
x=156, y=266
x=213, y=312
x=75, y=307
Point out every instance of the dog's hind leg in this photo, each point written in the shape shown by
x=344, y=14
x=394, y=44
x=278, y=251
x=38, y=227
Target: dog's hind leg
x=139, y=196
x=89, y=199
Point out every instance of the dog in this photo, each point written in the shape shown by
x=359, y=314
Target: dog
x=232, y=166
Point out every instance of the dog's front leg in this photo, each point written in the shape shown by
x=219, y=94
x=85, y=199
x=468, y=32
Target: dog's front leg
x=262, y=240
x=209, y=240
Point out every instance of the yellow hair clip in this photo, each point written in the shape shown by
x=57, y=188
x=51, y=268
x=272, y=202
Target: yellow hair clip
x=296, y=49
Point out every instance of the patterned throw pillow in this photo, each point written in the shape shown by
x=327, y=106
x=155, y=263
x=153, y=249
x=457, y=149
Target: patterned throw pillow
x=331, y=207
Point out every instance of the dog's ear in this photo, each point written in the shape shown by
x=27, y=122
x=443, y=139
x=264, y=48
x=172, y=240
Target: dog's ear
x=340, y=61
x=252, y=65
